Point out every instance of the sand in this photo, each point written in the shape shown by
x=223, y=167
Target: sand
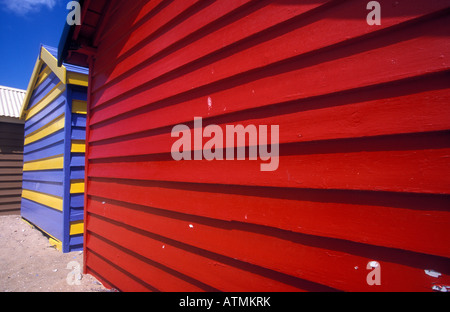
x=28, y=263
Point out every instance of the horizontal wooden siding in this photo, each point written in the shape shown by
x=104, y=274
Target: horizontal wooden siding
x=43, y=188
x=11, y=160
x=364, y=146
x=74, y=224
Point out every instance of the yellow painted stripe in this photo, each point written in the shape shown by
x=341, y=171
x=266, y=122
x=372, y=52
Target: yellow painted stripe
x=76, y=227
x=56, y=162
x=76, y=186
x=54, y=126
x=52, y=62
x=44, y=75
x=77, y=79
x=55, y=243
x=49, y=98
x=51, y=201
x=78, y=146
x=79, y=107
x=28, y=222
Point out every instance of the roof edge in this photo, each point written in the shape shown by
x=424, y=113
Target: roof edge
x=65, y=40
x=51, y=61
x=64, y=43
x=30, y=89
x=47, y=56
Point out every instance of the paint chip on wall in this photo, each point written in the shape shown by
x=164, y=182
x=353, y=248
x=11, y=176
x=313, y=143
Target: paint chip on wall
x=432, y=273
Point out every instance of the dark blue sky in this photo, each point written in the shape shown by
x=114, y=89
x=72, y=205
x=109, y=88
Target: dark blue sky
x=24, y=25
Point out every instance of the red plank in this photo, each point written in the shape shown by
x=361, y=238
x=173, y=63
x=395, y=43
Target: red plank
x=290, y=42
x=219, y=272
x=319, y=119
x=124, y=14
x=268, y=15
x=212, y=10
x=325, y=261
x=135, y=26
x=114, y=277
x=148, y=272
x=363, y=171
x=410, y=163
x=317, y=74
x=419, y=223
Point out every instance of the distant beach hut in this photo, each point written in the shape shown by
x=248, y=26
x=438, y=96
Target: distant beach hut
x=11, y=149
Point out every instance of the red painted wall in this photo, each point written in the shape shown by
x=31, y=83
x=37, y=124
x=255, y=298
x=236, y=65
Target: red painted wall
x=363, y=172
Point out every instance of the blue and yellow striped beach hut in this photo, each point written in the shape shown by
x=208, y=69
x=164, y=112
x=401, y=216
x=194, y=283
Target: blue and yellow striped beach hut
x=54, y=111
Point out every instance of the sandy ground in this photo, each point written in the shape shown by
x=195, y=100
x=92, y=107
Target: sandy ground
x=28, y=263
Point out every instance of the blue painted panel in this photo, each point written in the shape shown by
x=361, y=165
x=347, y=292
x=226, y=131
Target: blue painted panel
x=44, y=176
x=76, y=214
x=45, y=218
x=43, y=89
x=51, y=150
x=79, y=120
x=43, y=143
x=44, y=117
x=76, y=200
x=79, y=93
x=77, y=160
x=77, y=173
x=67, y=159
x=38, y=90
x=78, y=133
x=76, y=239
x=76, y=242
x=52, y=188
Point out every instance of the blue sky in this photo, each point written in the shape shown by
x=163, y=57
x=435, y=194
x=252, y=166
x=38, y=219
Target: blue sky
x=24, y=26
